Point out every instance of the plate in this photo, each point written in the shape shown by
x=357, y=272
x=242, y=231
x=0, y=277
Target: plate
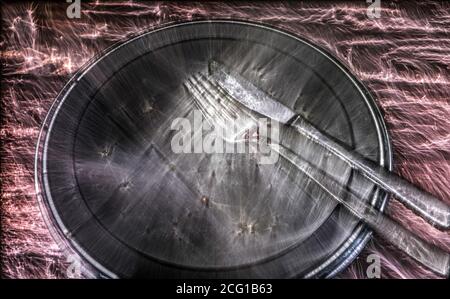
x=114, y=190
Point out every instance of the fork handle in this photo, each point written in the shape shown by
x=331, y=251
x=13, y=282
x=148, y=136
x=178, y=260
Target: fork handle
x=433, y=210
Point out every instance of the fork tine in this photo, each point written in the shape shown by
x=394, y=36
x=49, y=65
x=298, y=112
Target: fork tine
x=218, y=107
x=205, y=103
x=196, y=96
x=215, y=99
x=243, y=120
x=211, y=99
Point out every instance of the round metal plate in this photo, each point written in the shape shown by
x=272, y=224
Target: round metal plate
x=132, y=207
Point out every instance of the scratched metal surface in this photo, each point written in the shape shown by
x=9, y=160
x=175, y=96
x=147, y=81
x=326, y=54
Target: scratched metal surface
x=402, y=57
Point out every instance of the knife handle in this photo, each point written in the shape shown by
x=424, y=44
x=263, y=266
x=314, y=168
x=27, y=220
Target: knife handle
x=427, y=254
x=433, y=210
